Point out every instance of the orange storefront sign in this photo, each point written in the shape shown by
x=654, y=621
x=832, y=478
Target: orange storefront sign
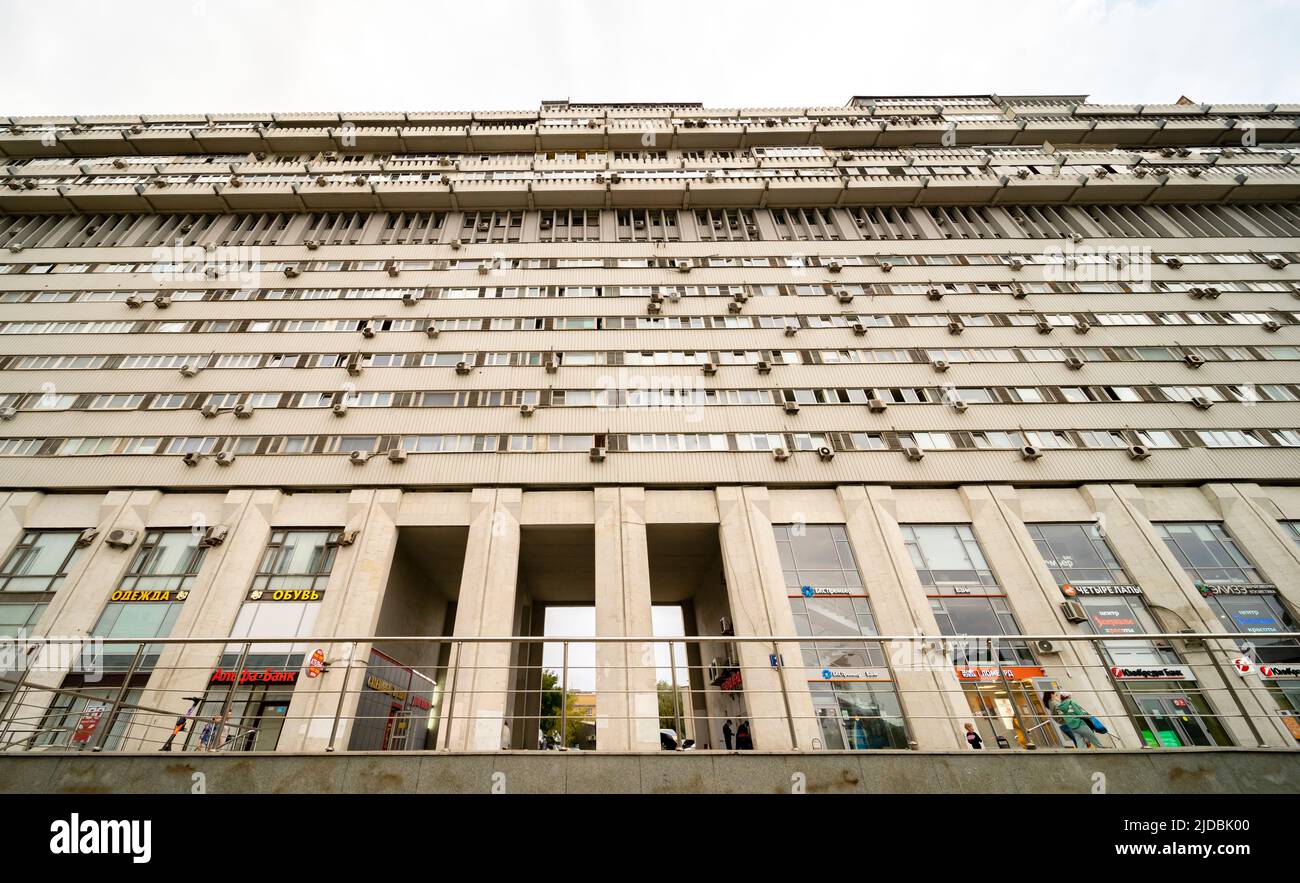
x=985, y=674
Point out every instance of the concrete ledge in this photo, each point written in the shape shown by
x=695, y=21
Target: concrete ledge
x=1186, y=771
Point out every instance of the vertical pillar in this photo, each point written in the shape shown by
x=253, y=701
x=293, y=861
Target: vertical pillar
x=627, y=702
x=756, y=594
x=927, y=685
x=486, y=609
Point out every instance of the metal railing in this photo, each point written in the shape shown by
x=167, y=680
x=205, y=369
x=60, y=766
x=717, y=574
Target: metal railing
x=719, y=692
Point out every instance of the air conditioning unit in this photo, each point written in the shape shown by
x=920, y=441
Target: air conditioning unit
x=456, y=244
x=960, y=406
x=763, y=366
x=1074, y=363
x=956, y=327
x=8, y=413
x=1212, y=293
x=934, y=294
x=1043, y=326
x=834, y=266
x=462, y=368
x=1138, y=452
x=940, y=365
x=347, y=537
x=162, y=301
x=825, y=454
x=886, y=266
x=225, y=458
x=596, y=454
x=1277, y=263
x=135, y=301
x=1173, y=263
x=292, y=272
x=1029, y=452
x=780, y=452
x=791, y=330
x=339, y=409
x=209, y=411
x=484, y=268
x=844, y=296
x=528, y=410
x=1016, y=264
x=312, y=244
x=86, y=537
x=790, y=407
x=353, y=364
x=397, y=455
x=683, y=266
x=877, y=406
x=551, y=365
x=431, y=330
x=654, y=307
x=1193, y=360
x=367, y=329
x=188, y=370
x=858, y=328
x=214, y=536
x=191, y=459
x=358, y=458
x=1201, y=403
x=709, y=369
x=1196, y=293
x=1073, y=611
x=1042, y=645
x=1082, y=326
x=392, y=268
x=121, y=538
x=735, y=306
x=1272, y=325
x=913, y=453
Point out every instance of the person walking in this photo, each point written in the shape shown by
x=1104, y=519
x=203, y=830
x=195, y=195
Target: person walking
x=1073, y=719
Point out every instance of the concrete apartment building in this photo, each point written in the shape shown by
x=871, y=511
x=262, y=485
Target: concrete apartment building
x=932, y=366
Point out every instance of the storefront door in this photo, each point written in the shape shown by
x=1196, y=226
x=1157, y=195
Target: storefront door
x=1004, y=712
x=270, y=721
x=1168, y=721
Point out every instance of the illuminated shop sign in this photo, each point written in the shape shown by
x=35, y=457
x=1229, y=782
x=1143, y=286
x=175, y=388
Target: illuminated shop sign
x=249, y=676
x=1070, y=590
x=1279, y=672
x=1255, y=620
x=379, y=685
x=1152, y=673
x=853, y=674
x=1236, y=588
x=1009, y=672
x=155, y=595
x=822, y=591
x=285, y=595
x=1115, y=621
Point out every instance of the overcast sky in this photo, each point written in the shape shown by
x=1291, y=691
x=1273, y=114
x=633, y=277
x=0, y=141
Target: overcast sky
x=92, y=57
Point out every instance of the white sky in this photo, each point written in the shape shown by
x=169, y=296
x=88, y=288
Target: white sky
x=92, y=57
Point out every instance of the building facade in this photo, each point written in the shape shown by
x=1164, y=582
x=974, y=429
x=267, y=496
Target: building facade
x=939, y=366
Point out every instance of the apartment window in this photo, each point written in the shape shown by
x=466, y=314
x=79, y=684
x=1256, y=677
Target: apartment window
x=167, y=560
x=1207, y=552
x=40, y=562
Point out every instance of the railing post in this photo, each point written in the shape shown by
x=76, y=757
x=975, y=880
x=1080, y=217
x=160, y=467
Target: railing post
x=111, y=718
x=343, y=692
x=453, y=663
x=564, y=699
x=677, y=716
x=230, y=697
x=785, y=695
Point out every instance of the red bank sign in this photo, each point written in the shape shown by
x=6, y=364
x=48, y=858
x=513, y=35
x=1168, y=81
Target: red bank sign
x=247, y=676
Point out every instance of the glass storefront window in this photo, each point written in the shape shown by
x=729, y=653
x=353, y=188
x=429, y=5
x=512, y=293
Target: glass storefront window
x=40, y=562
x=947, y=555
x=1077, y=553
x=166, y=560
x=1207, y=552
x=297, y=559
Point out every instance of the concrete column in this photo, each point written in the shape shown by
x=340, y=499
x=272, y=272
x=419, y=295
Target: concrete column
x=486, y=608
x=781, y=711
x=927, y=682
x=627, y=702
x=1170, y=592
x=1035, y=599
x=352, y=604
